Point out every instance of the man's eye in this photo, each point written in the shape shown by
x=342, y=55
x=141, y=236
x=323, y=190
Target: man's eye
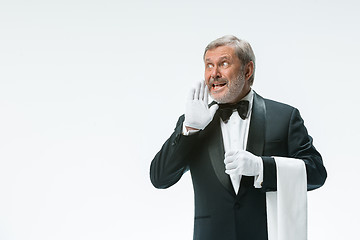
x=210, y=65
x=225, y=64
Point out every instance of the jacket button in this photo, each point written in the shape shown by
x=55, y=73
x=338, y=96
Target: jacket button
x=237, y=205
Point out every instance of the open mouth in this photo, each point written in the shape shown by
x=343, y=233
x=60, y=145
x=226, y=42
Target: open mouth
x=217, y=86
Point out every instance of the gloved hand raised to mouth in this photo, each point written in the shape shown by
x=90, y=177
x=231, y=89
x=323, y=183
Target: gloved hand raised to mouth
x=197, y=112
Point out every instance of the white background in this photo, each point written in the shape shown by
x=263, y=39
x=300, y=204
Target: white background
x=90, y=90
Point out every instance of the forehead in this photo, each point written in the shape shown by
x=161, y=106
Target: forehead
x=220, y=53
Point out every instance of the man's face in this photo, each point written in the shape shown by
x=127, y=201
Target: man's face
x=224, y=75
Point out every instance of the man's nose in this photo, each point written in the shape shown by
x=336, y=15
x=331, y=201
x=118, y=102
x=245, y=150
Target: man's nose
x=215, y=73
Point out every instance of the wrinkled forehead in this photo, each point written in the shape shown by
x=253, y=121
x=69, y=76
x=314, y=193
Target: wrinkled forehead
x=220, y=53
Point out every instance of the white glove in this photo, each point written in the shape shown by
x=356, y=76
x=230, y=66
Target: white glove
x=197, y=113
x=241, y=162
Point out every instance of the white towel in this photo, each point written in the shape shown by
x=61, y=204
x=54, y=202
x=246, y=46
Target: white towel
x=287, y=207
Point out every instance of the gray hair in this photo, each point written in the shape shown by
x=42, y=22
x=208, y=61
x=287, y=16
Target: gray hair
x=242, y=49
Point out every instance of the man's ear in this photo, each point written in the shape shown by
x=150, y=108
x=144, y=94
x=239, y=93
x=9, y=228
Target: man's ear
x=249, y=70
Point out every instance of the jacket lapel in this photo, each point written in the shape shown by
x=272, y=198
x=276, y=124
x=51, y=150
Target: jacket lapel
x=256, y=137
x=217, y=152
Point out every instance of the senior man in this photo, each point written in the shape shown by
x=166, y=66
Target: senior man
x=230, y=147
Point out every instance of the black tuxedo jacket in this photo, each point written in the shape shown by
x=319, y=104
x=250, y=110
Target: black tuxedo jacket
x=276, y=129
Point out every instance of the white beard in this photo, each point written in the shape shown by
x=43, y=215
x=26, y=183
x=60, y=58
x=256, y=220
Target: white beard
x=234, y=89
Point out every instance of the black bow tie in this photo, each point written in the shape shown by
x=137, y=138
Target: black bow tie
x=225, y=110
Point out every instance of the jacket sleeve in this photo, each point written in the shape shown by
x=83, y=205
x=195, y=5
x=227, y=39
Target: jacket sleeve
x=300, y=146
x=171, y=162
